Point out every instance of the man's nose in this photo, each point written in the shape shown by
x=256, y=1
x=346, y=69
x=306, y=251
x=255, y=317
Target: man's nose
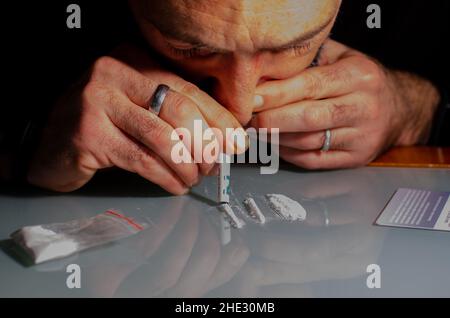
x=235, y=85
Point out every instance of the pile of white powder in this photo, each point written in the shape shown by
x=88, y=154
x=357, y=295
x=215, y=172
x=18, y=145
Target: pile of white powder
x=286, y=208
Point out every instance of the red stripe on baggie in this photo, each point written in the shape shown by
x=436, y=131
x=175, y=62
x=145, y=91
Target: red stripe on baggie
x=130, y=221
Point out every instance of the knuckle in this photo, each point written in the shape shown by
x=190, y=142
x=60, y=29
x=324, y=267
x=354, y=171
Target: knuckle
x=181, y=106
x=92, y=91
x=334, y=73
x=189, y=89
x=134, y=154
x=147, y=162
x=276, y=95
x=372, y=74
x=154, y=131
x=345, y=74
x=338, y=112
x=105, y=63
x=311, y=118
x=224, y=118
x=314, y=84
x=149, y=129
x=96, y=94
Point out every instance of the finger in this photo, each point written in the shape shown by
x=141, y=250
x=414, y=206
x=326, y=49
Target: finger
x=202, y=262
x=165, y=267
x=192, y=127
x=305, y=248
x=140, y=88
x=129, y=155
x=307, y=116
x=332, y=51
x=341, y=139
x=217, y=116
x=154, y=133
x=163, y=224
x=181, y=113
x=233, y=257
x=318, y=160
x=321, y=82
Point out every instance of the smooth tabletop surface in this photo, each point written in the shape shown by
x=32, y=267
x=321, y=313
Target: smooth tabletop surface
x=187, y=251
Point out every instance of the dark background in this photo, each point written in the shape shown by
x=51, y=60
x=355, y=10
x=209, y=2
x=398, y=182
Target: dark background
x=41, y=56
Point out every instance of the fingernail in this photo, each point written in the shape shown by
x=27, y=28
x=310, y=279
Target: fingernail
x=184, y=191
x=258, y=101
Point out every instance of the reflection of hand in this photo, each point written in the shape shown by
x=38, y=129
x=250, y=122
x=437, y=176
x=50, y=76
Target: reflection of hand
x=341, y=197
x=184, y=258
x=104, y=121
x=312, y=252
x=303, y=257
x=367, y=108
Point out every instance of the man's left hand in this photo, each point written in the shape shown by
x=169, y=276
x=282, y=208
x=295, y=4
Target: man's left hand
x=367, y=108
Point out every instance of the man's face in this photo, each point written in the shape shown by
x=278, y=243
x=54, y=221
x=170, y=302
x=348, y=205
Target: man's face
x=235, y=45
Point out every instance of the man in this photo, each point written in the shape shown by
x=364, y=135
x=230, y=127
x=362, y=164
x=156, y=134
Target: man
x=231, y=64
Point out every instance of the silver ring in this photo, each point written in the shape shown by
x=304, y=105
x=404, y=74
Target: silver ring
x=327, y=143
x=158, y=98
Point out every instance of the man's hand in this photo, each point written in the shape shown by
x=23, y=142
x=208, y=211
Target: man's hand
x=367, y=108
x=105, y=122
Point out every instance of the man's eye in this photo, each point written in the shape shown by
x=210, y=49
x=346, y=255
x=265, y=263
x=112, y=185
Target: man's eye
x=299, y=50
x=192, y=52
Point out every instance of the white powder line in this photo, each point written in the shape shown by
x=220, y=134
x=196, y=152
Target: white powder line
x=231, y=216
x=253, y=210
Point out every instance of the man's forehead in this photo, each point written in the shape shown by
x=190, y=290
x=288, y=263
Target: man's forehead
x=239, y=24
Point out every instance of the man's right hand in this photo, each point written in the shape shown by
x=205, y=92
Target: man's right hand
x=105, y=122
